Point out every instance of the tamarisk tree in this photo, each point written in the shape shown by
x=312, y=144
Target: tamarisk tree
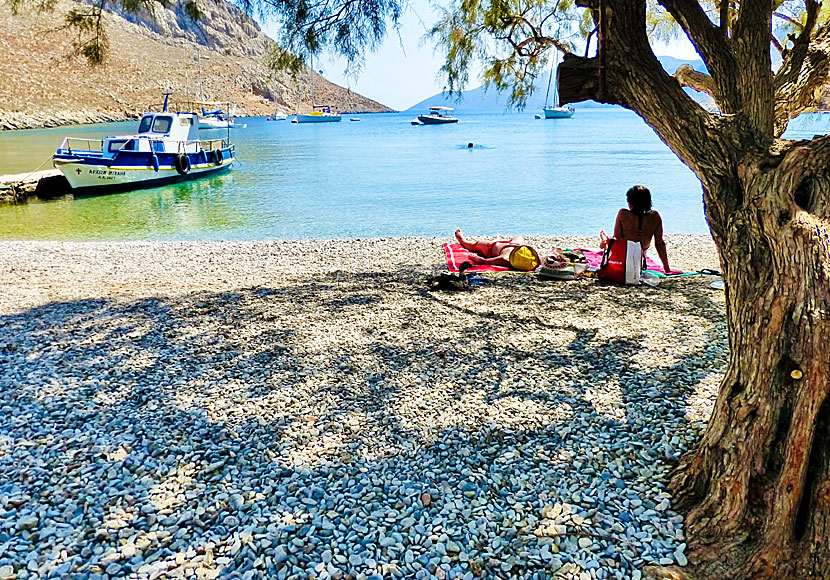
x=756, y=489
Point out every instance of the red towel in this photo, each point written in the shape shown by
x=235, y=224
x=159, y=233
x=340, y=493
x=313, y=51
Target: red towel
x=457, y=255
x=594, y=258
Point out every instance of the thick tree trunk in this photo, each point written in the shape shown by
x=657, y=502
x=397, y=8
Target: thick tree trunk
x=756, y=490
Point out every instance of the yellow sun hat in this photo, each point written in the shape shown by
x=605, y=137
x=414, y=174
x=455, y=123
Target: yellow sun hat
x=524, y=259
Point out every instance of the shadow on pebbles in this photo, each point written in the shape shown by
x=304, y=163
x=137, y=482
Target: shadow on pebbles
x=310, y=410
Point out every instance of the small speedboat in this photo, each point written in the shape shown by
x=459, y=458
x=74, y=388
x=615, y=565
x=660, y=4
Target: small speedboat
x=438, y=116
x=277, y=116
x=165, y=149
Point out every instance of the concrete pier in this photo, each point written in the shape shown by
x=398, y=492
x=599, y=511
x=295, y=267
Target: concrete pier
x=47, y=183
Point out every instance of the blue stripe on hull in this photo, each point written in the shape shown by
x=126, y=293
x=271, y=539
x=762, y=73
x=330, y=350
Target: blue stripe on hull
x=138, y=159
x=149, y=183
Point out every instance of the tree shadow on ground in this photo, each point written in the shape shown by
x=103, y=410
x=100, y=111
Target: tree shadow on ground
x=294, y=430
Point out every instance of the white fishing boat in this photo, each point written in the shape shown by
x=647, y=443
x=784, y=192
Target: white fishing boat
x=320, y=114
x=438, y=116
x=165, y=149
x=277, y=116
x=554, y=111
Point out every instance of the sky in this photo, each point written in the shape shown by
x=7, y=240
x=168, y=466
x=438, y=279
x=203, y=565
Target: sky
x=404, y=69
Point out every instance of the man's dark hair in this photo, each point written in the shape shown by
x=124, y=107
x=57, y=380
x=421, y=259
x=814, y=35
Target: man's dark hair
x=639, y=198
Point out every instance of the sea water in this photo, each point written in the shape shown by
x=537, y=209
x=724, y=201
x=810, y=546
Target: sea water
x=380, y=176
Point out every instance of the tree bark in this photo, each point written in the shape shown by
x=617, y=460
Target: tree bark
x=756, y=491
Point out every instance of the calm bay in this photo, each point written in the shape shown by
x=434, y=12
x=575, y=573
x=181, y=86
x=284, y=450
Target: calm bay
x=380, y=177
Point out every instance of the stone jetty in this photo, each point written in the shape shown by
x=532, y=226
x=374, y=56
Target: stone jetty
x=45, y=184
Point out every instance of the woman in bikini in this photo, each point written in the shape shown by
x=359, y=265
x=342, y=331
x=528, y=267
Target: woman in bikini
x=494, y=253
x=639, y=223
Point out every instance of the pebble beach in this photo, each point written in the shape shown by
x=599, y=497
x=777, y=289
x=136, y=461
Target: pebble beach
x=310, y=409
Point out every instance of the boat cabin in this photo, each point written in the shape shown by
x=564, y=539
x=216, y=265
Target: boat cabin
x=158, y=133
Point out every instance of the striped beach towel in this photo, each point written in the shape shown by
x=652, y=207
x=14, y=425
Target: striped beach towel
x=457, y=255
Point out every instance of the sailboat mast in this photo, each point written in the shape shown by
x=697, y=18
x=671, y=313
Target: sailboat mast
x=547, y=93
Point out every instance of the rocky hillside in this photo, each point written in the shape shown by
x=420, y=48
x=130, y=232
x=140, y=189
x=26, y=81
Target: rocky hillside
x=218, y=58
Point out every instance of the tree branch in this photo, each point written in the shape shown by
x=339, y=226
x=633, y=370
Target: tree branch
x=724, y=17
x=789, y=19
x=777, y=45
x=713, y=47
x=689, y=77
x=750, y=42
x=636, y=80
x=799, y=84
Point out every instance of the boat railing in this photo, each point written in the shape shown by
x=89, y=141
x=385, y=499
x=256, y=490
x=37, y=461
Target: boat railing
x=211, y=144
x=78, y=144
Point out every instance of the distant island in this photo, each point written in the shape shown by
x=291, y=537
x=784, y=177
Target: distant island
x=479, y=100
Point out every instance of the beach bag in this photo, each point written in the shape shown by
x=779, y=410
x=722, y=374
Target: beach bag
x=622, y=262
x=524, y=259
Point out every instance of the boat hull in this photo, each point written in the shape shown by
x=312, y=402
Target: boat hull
x=558, y=113
x=433, y=120
x=318, y=118
x=91, y=175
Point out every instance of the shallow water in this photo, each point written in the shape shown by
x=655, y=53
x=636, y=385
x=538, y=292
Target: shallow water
x=381, y=177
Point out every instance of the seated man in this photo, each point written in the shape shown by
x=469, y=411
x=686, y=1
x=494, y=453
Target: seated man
x=513, y=253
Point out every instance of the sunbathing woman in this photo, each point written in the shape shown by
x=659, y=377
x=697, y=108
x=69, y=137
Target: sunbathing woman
x=498, y=252
x=639, y=223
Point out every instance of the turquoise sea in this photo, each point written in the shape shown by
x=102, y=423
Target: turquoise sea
x=381, y=176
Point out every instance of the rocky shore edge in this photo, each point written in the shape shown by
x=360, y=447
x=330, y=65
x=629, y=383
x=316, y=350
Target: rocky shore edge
x=15, y=120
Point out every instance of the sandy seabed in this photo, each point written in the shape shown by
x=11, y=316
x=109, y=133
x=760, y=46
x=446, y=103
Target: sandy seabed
x=310, y=409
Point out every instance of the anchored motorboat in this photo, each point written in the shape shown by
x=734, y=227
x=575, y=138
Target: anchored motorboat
x=165, y=149
x=438, y=116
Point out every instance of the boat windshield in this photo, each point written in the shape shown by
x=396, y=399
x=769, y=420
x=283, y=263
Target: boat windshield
x=146, y=123
x=162, y=124
x=156, y=123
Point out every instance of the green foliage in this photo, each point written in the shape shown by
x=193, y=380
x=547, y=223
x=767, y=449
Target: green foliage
x=191, y=8
x=280, y=59
x=91, y=41
x=348, y=27
x=789, y=19
x=660, y=24
x=86, y=21
x=510, y=39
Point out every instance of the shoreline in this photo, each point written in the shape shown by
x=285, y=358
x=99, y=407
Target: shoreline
x=294, y=408
x=255, y=262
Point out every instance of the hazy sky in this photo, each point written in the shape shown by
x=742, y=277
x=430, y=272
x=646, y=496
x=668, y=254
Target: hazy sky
x=403, y=71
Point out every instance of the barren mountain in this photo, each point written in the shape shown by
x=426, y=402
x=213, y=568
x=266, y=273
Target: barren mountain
x=218, y=58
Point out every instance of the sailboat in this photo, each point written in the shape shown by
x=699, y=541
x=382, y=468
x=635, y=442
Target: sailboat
x=319, y=113
x=555, y=111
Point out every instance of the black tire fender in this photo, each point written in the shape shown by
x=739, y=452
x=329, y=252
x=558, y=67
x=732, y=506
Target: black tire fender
x=217, y=157
x=182, y=163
